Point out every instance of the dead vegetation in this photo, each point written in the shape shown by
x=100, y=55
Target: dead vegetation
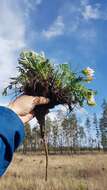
x=78, y=172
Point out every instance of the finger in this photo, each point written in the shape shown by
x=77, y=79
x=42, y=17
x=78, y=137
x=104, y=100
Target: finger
x=26, y=118
x=40, y=100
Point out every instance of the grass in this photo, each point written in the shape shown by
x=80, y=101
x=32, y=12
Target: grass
x=78, y=172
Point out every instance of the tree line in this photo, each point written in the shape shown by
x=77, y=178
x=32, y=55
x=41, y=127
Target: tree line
x=68, y=135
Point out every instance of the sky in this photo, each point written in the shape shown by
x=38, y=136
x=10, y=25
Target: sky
x=72, y=31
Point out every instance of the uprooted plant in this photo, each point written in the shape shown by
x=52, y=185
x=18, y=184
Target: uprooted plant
x=38, y=76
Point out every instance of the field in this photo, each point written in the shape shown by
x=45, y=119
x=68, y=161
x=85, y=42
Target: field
x=77, y=172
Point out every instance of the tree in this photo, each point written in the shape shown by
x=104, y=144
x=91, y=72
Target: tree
x=65, y=129
x=27, y=140
x=81, y=135
x=48, y=124
x=55, y=134
x=95, y=122
x=70, y=131
x=73, y=131
x=35, y=138
x=103, y=126
x=88, y=126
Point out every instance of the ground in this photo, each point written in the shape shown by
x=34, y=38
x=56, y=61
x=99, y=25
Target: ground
x=77, y=172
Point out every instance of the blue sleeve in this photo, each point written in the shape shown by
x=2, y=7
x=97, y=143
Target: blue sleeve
x=11, y=136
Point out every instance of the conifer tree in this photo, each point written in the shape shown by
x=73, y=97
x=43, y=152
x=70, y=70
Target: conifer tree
x=103, y=126
x=96, y=124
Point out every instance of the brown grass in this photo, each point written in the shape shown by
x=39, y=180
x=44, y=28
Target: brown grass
x=79, y=172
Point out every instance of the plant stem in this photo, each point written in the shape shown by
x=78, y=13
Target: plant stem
x=46, y=154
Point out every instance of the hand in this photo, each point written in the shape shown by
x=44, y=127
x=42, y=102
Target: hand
x=24, y=105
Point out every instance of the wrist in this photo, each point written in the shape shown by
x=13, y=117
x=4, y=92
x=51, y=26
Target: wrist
x=10, y=106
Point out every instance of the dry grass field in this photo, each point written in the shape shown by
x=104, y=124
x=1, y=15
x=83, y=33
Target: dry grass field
x=78, y=172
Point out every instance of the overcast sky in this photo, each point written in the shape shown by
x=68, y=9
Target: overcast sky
x=71, y=30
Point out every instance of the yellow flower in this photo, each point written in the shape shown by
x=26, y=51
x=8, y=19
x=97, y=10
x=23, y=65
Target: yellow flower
x=88, y=79
x=91, y=100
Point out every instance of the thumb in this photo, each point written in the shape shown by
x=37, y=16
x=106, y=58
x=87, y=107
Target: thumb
x=27, y=117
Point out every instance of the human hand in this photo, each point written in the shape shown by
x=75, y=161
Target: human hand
x=24, y=105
